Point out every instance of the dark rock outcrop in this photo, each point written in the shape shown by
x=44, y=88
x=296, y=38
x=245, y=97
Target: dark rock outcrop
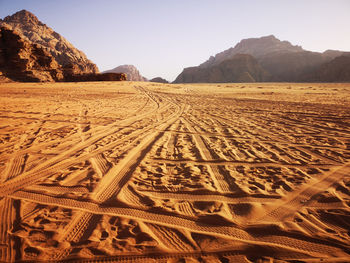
x=96, y=77
x=34, y=31
x=159, y=80
x=240, y=68
x=131, y=71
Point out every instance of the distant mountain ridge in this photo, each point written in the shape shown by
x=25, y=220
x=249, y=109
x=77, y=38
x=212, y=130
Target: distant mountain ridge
x=279, y=60
x=28, y=26
x=256, y=47
x=131, y=71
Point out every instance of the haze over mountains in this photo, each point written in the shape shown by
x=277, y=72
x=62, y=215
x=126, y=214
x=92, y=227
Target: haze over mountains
x=35, y=52
x=267, y=59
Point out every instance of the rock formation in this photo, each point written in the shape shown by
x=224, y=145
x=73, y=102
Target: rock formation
x=96, y=77
x=21, y=60
x=239, y=68
x=34, y=31
x=275, y=60
x=131, y=71
x=159, y=80
x=257, y=47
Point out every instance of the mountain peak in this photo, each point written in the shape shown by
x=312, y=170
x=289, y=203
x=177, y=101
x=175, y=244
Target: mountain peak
x=32, y=29
x=23, y=17
x=264, y=45
x=257, y=47
x=271, y=37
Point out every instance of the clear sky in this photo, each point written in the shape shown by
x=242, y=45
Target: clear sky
x=161, y=37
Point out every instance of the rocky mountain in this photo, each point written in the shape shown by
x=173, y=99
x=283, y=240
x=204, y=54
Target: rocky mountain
x=239, y=68
x=34, y=31
x=257, y=47
x=159, y=80
x=22, y=60
x=279, y=60
x=131, y=71
x=290, y=66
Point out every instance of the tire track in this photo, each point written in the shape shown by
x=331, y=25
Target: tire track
x=172, y=239
x=272, y=137
x=218, y=162
x=293, y=202
x=99, y=133
x=7, y=253
x=119, y=175
x=73, y=232
x=15, y=166
x=250, y=235
x=219, y=181
x=111, y=184
x=231, y=199
x=62, y=161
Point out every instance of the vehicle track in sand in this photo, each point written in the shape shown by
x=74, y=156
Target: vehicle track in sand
x=288, y=206
x=7, y=250
x=112, y=180
x=173, y=175
x=60, y=161
x=250, y=235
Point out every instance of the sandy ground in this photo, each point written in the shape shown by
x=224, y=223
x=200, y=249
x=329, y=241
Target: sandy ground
x=145, y=172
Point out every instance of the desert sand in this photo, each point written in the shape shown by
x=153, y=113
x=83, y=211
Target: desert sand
x=146, y=172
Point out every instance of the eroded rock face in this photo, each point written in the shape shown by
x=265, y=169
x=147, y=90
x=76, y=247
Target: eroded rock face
x=240, y=68
x=34, y=31
x=21, y=60
x=131, y=71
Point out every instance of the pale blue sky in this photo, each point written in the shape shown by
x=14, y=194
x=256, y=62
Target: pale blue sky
x=161, y=37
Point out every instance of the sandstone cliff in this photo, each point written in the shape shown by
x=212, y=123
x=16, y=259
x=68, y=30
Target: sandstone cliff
x=34, y=31
x=21, y=60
